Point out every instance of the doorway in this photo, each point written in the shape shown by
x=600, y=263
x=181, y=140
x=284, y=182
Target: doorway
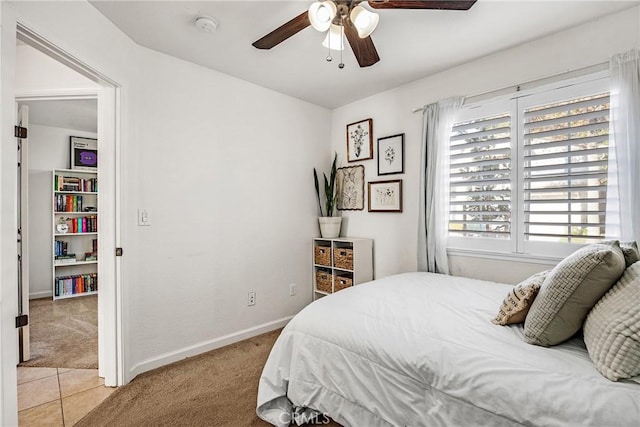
x=63, y=330
x=103, y=94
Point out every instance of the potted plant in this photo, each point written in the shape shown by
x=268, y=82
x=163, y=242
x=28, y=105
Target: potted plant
x=329, y=224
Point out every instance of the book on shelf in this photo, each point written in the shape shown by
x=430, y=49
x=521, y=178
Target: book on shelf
x=76, y=284
x=90, y=256
x=65, y=259
x=83, y=224
x=60, y=248
x=75, y=184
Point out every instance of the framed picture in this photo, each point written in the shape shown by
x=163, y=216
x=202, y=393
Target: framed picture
x=360, y=140
x=350, y=188
x=84, y=153
x=385, y=196
x=391, y=154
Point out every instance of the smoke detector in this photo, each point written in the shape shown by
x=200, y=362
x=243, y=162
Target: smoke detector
x=206, y=24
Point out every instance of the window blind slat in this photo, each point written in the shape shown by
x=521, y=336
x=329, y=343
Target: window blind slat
x=574, y=142
x=569, y=166
x=561, y=201
x=565, y=119
x=602, y=99
x=567, y=188
x=481, y=123
x=464, y=145
x=567, y=154
x=492, y=162
x=478, y=154
x=565, y=177
x=476, y=182
x=567, y=130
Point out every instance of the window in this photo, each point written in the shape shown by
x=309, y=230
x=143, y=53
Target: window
x=529, y=174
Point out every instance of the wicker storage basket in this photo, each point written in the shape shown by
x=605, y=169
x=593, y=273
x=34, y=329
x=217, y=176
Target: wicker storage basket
x=323, y=281
x=343, y=258
x=322, y=255
x=343, y=283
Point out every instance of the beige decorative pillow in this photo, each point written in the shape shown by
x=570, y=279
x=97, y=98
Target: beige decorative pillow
x=570, y=290
x=612, y=329
x=629, y=250
x=516, y=304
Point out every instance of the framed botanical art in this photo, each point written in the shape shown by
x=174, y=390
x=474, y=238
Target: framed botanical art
x=391, y=154
x=385, y=196
x=360, y=140
x=84, y=153
x=350, y=188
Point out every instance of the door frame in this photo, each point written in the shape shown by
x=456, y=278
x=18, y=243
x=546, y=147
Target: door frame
x=24, y=340
x=110, y=346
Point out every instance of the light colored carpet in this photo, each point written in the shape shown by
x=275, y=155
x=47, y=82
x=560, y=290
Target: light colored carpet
x=218, y=388
x=64, y=333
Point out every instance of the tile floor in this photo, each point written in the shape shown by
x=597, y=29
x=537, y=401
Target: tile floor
x=58, y=396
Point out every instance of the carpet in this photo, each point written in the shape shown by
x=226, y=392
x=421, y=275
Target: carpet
x=64, y=333
x=217, y=388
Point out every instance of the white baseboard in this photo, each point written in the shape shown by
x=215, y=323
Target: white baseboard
x=194, y=350
x=42, y=294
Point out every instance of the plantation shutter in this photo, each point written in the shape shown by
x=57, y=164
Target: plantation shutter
x=566, y=146
x=480, y=177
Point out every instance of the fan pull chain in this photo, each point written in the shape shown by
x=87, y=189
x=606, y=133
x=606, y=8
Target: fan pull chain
x=329, y=58
x=341, y=64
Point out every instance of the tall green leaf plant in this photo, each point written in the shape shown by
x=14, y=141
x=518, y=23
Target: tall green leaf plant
x=330, y=193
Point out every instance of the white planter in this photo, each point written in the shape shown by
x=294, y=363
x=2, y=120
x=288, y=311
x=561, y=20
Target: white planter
x=330, y=226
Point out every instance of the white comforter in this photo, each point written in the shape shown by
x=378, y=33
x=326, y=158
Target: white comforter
x=418, y=349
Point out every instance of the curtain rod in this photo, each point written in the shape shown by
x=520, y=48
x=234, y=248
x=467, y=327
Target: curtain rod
x=530, y=84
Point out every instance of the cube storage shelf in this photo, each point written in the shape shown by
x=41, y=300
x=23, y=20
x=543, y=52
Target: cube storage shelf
x=341, y=263
x=74, y=251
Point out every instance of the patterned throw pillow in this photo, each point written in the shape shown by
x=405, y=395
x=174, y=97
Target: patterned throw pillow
x=516, y=304
x=612, y=329
x=570, y=290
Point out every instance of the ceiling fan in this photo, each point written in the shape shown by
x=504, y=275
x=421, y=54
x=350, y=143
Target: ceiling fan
x=348, y=18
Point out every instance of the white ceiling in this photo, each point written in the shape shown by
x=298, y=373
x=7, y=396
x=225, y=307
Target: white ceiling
x=80, y=114
x=412, y=44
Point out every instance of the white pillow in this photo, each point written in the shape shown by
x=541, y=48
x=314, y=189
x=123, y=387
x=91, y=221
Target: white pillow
x=612, y=328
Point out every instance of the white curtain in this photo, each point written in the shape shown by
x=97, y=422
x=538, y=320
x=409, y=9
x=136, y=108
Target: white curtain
x=623, y=204
x=434, y=185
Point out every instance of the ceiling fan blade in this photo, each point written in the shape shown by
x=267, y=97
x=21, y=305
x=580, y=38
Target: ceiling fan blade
x=416, y=4
x=283, y=32
x=364, y=49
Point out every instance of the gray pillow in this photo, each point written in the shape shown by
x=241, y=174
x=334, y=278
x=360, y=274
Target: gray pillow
x=612, y=328
x=629, y=250
x=570, y=290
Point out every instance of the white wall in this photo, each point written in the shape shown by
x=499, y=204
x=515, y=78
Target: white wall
x=395, y=235
x=41, y=73
x=224, y=167
x=48, y=150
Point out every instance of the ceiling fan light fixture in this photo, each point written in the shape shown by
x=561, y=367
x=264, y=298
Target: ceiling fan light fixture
x=364, y=21
x=334, y=39
x=321, y=13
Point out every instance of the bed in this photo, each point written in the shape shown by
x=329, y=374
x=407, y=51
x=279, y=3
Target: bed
x=419, y=349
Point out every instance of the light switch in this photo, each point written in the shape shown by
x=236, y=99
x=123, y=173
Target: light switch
x=144, y=217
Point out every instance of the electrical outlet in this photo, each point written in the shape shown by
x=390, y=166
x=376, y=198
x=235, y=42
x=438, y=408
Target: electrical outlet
x=251, y=299
x=292, y=289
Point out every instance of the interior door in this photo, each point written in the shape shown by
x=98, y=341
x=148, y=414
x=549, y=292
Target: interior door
x=23, y=233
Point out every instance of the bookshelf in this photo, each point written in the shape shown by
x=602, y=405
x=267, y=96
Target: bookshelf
x=340, y=263
x=74, y=233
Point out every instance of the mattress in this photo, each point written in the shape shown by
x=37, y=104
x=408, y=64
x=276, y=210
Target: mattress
x=419, y=349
